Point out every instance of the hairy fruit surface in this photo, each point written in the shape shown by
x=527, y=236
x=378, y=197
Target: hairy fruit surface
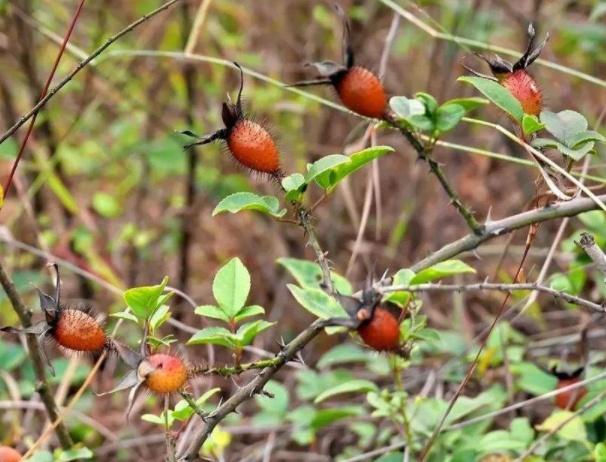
x=253, y=147
x=79, y=331
x=169, y=373
x=382, y=331
x=362, y=92
x=525, y=89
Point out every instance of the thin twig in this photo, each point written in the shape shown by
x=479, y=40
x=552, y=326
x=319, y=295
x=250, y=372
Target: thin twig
x=43, y=388
x=497, y=287
x=305, y=222
x=484, y=46
x=70, y=30
x=53, y=91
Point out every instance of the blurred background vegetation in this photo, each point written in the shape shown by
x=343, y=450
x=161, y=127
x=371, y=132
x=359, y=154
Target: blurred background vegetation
x=106, y=186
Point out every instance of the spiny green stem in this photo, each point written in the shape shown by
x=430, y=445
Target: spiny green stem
x=227, y=371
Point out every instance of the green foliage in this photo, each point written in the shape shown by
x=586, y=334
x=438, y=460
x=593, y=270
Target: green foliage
x=309, y=275
x=144, y=301
x=329, y=178
x=240, y=201
x=317, y=302
x=568, y=426
x=441, y=270
x=353, y=386
x=569, y=129
x=425, y=115
x=531, y=124
x=497, y=94
x=182, y=411
x=231, y=287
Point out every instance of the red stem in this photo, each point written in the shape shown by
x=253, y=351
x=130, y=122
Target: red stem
x=44, y=91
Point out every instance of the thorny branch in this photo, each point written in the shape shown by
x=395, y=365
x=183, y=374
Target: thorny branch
x=493, y=229
x=424, y=151
x=255, y=386
x=305, y=222
x=25, y=316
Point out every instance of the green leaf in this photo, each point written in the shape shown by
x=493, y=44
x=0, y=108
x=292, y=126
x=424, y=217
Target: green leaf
x=211, y=311
x=584, y=137
x=422, y=123
x=293, y=182
x=498, y=94
x=573, y=430
x=317, y=302
x=184, y=411
x=214, y=335
x=448, y=116
x=402, y=278
x=564, y=125
x=531, y=379
x=75, y=454
x=159, y=317
x=599, y=453
x=126, y=315
x=498, y=441
x=469, y=104
x=294, y=185
x=144, y=301
x=106, y=205
x=152, y=418
x=404, y=107
x=247, y=332
x=239, y=201
x=531, y=124
x=309, y=274
x=441, y=270
x=353, y=386
x=331, y=177
x=324, y=164
x=248, y=312
x=343, y=354
x=325, y=417
x=278, y=405
x=575, y=154
x=428, y=101
x=40, y=456
x=231, y=286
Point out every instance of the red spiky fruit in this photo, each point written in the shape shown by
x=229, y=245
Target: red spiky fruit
x=253, y=147
x=525, y=89
x=382, y=331
x=79, y=331
x=169, y=374
x=362, y=92
x=8, y=454
x=569, y=399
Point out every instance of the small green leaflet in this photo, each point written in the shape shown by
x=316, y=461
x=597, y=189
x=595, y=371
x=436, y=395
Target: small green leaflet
x=498, y=94
x=240, y=201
